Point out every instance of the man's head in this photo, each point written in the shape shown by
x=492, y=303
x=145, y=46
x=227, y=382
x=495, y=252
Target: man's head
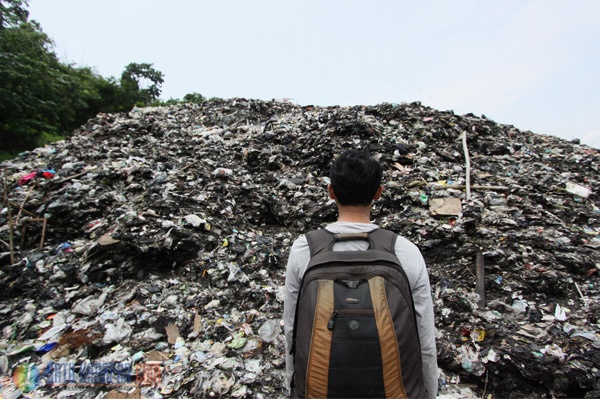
x=355, y=178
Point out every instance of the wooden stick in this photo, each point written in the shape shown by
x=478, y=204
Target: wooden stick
x=43, y=233
x=186, y=167
x=4, y=201
x=5, y=193
x=468, y=164
x=19, y=207
x=474, y=187
x=480, y=285
x=581, y=294
x=471, y=272
x=10, y=225
x=23, y=204
x=437, y=186
x=11, y=235
x=77, y=175
x=24, y=230
x=555, y=217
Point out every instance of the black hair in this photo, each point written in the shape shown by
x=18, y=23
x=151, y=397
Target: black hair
x=355, y=177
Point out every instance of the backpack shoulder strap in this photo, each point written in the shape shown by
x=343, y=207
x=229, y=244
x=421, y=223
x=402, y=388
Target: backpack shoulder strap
x=319, y=240
x=382, y=239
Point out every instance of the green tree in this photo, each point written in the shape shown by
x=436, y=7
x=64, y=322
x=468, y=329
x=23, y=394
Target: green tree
x=42, y=97
x=32, y=86
x=193, y=98
x=141, y=83
x=13, y=13
x=88, y=94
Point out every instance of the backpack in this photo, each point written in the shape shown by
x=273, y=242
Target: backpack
x=355, y=331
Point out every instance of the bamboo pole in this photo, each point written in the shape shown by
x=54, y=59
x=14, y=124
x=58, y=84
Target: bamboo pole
x=468, y=164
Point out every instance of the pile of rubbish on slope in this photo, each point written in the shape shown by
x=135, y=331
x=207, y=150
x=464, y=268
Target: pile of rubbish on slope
x=145, y=255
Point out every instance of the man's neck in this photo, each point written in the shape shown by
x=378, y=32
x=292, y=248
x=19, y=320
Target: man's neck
x=360, y=214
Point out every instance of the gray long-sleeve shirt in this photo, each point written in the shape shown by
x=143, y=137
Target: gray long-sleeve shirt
x=414, y=266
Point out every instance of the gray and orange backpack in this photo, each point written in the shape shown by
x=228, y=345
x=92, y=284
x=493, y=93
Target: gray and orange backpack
x=355, y=332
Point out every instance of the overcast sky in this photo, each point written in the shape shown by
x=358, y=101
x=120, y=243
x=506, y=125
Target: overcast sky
x=531, y=64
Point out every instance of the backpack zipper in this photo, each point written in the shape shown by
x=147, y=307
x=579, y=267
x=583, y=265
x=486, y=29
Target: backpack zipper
x=348, y=312
x=331, y=323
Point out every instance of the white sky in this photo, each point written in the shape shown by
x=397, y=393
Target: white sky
x=531, y=64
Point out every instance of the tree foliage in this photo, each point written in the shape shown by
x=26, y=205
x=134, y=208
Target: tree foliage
x=40, y=96
x=141, y=83
x=13, y=13
x=193, y=98
x=32, y=86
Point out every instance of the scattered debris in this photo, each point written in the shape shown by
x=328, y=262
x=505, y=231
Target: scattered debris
x=157, y=240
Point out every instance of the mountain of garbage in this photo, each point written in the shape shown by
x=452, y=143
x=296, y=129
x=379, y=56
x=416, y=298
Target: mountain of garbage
x=145, y=255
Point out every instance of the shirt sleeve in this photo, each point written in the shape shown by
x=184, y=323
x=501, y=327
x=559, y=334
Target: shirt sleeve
x=296, y=266
x=426, y=325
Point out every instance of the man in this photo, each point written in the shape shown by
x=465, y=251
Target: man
x=355, y=181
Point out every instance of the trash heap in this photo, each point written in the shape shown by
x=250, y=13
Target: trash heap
x=158, y=239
